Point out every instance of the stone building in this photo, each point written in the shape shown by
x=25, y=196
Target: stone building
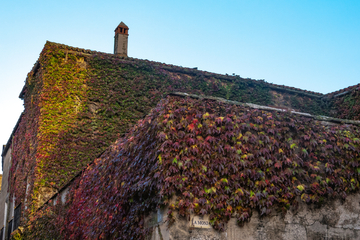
x=83, y=107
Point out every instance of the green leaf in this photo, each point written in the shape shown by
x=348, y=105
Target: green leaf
x=239, y=190
x=212, y=221
x=175, y=160
x=301, y=188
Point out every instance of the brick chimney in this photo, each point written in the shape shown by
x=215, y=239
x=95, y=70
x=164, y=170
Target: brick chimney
x=121, y=40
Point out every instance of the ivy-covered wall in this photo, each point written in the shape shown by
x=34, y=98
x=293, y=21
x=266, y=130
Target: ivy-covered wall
x=78, y=102
x=53, y=97
x=24, y=146
x=215, y=158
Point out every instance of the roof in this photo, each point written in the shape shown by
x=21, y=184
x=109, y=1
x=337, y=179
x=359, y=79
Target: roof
x=189, y=70
x=343, y=91
x=267, y=108
x=195, y=71
x=191, y=146
x=324, y=119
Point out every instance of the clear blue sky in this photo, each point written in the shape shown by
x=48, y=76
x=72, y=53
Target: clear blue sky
x=313, y=45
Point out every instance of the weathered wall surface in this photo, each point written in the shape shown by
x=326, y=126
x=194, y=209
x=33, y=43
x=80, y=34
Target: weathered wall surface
x=334, y=220
x=4, y=189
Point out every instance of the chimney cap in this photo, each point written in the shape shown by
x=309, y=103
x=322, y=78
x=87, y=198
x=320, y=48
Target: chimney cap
x=123, y=25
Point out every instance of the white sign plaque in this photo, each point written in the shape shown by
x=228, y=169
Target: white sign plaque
x=200, y=222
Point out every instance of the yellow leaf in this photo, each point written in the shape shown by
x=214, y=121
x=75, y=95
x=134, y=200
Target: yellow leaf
x=301, y=187
x=206, y=115
x=240, y=135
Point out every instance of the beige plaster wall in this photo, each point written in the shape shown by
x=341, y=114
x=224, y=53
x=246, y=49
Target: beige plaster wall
x=4, y=186
x=335, y=220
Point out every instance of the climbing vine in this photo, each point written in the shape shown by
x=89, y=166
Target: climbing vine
x=347, y=106
x=217, y=159
x=78, y=102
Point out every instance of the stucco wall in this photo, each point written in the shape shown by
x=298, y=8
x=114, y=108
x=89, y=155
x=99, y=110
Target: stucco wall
x=334, y=220
x=4, y=186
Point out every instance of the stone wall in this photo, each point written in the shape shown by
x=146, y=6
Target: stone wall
x=334, y=220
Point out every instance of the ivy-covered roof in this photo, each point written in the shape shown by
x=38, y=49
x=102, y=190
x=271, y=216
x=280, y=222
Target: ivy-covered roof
x=343, y=91
x=218, y=158
x=181, y=69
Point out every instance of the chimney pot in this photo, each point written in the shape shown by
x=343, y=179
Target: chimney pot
x=121, y=40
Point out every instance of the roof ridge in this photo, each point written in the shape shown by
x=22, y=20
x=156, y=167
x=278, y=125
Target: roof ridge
x=194, y=70
x=342, y=91
x=256, y=106
x=67, y=47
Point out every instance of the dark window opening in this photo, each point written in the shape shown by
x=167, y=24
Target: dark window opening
x=121, y=30
x=17, y=215
x=2, y=233
x=9, y=229
x=36, y=68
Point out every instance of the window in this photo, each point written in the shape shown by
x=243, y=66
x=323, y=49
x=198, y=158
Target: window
x=9, y=229
x=17, y=215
